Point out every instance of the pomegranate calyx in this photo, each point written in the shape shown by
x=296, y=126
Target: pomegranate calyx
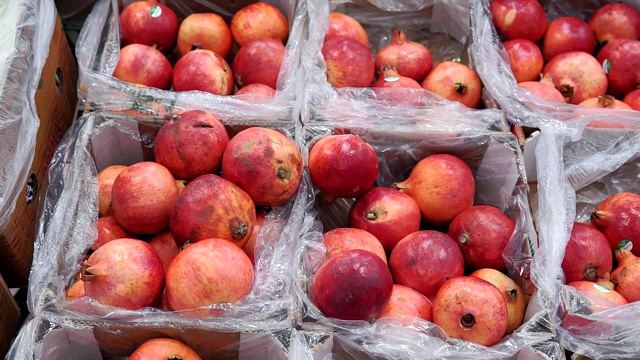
x=283, y=174
x=239, y=230
x=566, y=90
x=590, y=273
x=467, y=320
x=460, y=87
x=512, y=294
x=174, y=357
x=464, y=238
x=606, y=100
x=371, y=215
x=399, y=36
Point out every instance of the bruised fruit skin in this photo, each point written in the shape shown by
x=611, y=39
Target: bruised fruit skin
x=587, y=256
x=425, y=260
x=206, y=31
x=108, y=230
x=409, y=58
x=566, y=34
x=105, y=181
x=353, y=285
x=166, y=248
x=615, y=21
x=259, y=20
x=482, y=232
x=203, y=70
x=341, y=25
x=343, y=166
x=525, y=59
x=624, y=59
x=618, y=217
x=250, y=247
x=212, y=207
x=512, y=293
x=408, y=302
x=75, y=291
x=519, y=19
x=344, y=239
x=164, y=349
x=143, y=196
x=577, y=75
x=143, y=65
x=442, y=185
x=191, y=144
x=387, y=214
x=264, y=163
x=149, y=23
x=471, y=309
x=456, y=82
x=626, y=276
x=349, y=63
x=224, y=272
x=124, y=273
x=258, y=62
x=633, y=99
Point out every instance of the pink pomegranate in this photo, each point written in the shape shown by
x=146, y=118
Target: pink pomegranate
x=161, y=348
x=344, y=239
x=341, y=25
x=108, y=230
x=259, y=20
x=349, y=63
x=256, y=91
x=106, y=177
x=258, y=62
x=519, y=19
x=166, y=248
x=621, y=58
x=206, y=31
x=149, y=23
x=615, y=21
x=408, y=302
x=410, y=59
x=544, y=89
x=633, y=99
x=390, y=80
x=456, y=82
x=143, y=65
x=626, y=276
x=512, y=293
x=599, y=296
x=587, y=256
x=577, y=75
x=525, y=59
x=567, y=34
x=618, y=218
x=605, y=102
x=203, y=70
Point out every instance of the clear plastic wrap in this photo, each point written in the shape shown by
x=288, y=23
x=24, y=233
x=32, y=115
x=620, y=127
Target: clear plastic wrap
x=66, y=231
x=24, y=48
x=98, y=49
x=492, y=64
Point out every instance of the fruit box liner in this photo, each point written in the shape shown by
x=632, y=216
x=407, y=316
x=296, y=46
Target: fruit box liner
x=66, y=231
x=442, y=26
x=575, y=174
x=98, y=50
x=24, y=48
x=501, y=90
x=51, y=336
x=496, y=161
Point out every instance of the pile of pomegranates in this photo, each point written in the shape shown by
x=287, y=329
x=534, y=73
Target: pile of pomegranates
x=420, y=249
x=179, y=233
x=150, y=32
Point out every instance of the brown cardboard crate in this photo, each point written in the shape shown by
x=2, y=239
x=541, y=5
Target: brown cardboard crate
x=9, y=317
x=56, y=103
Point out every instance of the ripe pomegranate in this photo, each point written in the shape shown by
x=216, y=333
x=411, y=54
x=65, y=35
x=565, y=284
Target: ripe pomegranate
x=615, y=21
x=588, y=255
x=408, y=58
x=626, y=276
x=482, y=232
x=108, y=230
x=258, y=62
x=388, y=214
x=577, y=75
x=341, y=25
x=349, y=63
x=264, y=163
x=344, y=239
x=525, y=59
x=618, y=218
x=605, y=102
x=567, y=34
x=513, y=295
x=353, y=285
x=455, y=82
x=259, y=20
x=75, y=291
x=408, y=302
x=250, y=246
x=164, y=349
x=212, y=207
x=391, y=82
x=191, y=144
x=633, y=99
x=471, y=309
x=206, y=31
x=442, y=185
x=424, y=260
x=203, y=70
x=143, y=65
x=343, y=166
x=149, y=23
x=166, y=248
x=621, y=58
x=544, y=89
x=105, y=180
x=598, y=296
x=256, y=92
x=124, y=273
x=519, y=19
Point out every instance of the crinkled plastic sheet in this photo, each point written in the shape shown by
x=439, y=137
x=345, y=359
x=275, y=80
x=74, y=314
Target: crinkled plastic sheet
x=66, y=231
x=98, y=49
x=51, y=336
x=496, y=162
x=524, y=108
x=24, y=48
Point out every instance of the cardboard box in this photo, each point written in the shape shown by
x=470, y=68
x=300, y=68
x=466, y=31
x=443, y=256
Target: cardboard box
x=56, y=103
x=9, y=317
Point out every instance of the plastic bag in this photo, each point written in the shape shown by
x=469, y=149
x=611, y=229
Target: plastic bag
x=98, y=49
x=24, y=48
x=66, y=231
x=492, y=64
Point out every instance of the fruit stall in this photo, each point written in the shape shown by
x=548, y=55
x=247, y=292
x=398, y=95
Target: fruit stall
x=320, y=179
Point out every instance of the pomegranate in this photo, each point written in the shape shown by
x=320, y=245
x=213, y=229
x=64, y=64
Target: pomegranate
x=408, y=302
x=622, y=60
x=424, y=260
x=455, y=82
x=588, y=255
x=442, y=185
x=519, y=19
x=598, y=297
x=203, y=70
x=209, y=207
x=143, y=65
x=108, y=230
x=143, y=196
x=256, y=92
x=605, y=102
x=626, y=276
x=388, y=214
x=544, y=89
x=471, y=309
x=389, y=79
x=341, y=25
x=615, y=21
x=250, y=246
x=618, y=218
x=513, y=295
x=75, y=291
x=206, y=31
x=525, y=59
x=166, y=248
x=353, y=285
x=223, y=271
x=598, y=291
x=633, y=99
x=567, y=34
x=343, y=166
x=105, y=180
x=264, y=163
x=349, y=63
x=259, y=20
x=482, y=232
x=577, y=75
x=149, y=23
x=164, y=349
x=124, y=273
x=191, y=144
x=408, y=58
x=344, y=239
x=258, y=62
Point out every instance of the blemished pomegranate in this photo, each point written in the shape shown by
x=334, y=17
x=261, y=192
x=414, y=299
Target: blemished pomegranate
x=409, y=58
